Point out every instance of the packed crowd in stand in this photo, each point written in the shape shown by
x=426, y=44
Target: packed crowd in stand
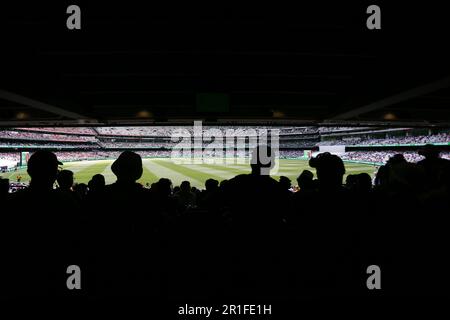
x=45, y=145
x=249, y=236
x=86, y=155
x=341, y=142
x=29, y=139
x=379, y=156
x=136, y=145
x=384, y=156
x=297, y=144
x=169, y=144
x=155, y=131
x=10, y=156
x=65, y=130
x=135, y=131
x=23, y=135
x=435, y=138
x=167, y=131
x=288, y=144
x=341, y=129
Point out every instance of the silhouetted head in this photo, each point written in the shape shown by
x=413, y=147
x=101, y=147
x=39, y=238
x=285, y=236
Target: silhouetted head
x=429, y=151
x=285, y=183
x=305, y=180
x=43, y=169
x=381, y=178
x=330, y=169
x=363, y=182
x=351, y=181
x=65, y=179
x=396, y=159
x=263, y=160
x=81, y=189
x=185, y=186
x=211, y=184
x=445, y=177
x=164, y=186
x=4, y=186
x=97, y=183
x=128, y=167
x=406, y=177
x=223, y=183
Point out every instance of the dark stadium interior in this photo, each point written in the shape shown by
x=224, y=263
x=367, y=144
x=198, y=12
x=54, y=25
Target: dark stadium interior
x=86, y=165
x=279, y=63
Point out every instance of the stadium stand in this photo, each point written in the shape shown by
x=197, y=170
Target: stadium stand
x=10, y=156
x=95, y=142
x=383, y=156
x=23, y=135
x=410, y=140
x=289, y=138
x=150, y=131
x=341, y=129
x=41, y=144
x=225, y=215
x=64, y=130
x=228, y=214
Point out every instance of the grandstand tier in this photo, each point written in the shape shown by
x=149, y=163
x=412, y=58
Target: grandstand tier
x=365, y=145
x=159, y=137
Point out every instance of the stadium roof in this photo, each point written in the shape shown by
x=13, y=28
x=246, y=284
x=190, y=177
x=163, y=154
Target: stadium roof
x=271, y=64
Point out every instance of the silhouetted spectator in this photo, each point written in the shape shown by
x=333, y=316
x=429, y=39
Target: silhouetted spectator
x=65, y=180
x=96, y=191
x=65, y=183
x=43, y=170
x=81, y=190
x=396, y=159
x=125, y=193
x=330, y=170
x=185, y=197
x=256, y=196
x=123, y=226
x=305, y=181
x=163, y=200
x=351, y=182
x=97, y=184
x=323, y=228
x=210, y=197
x=315, y=242
x=211, y=185
x=363, y=183
x=223, y=182
x=257, y=207
x=381, y=177
x=4, y=189
x=163, y=188
x=285, y=183
x=433, y=165
x=44, y=229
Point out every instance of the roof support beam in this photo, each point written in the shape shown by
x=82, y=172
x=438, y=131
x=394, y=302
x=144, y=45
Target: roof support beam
x=403, y=96
x=13, y=97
